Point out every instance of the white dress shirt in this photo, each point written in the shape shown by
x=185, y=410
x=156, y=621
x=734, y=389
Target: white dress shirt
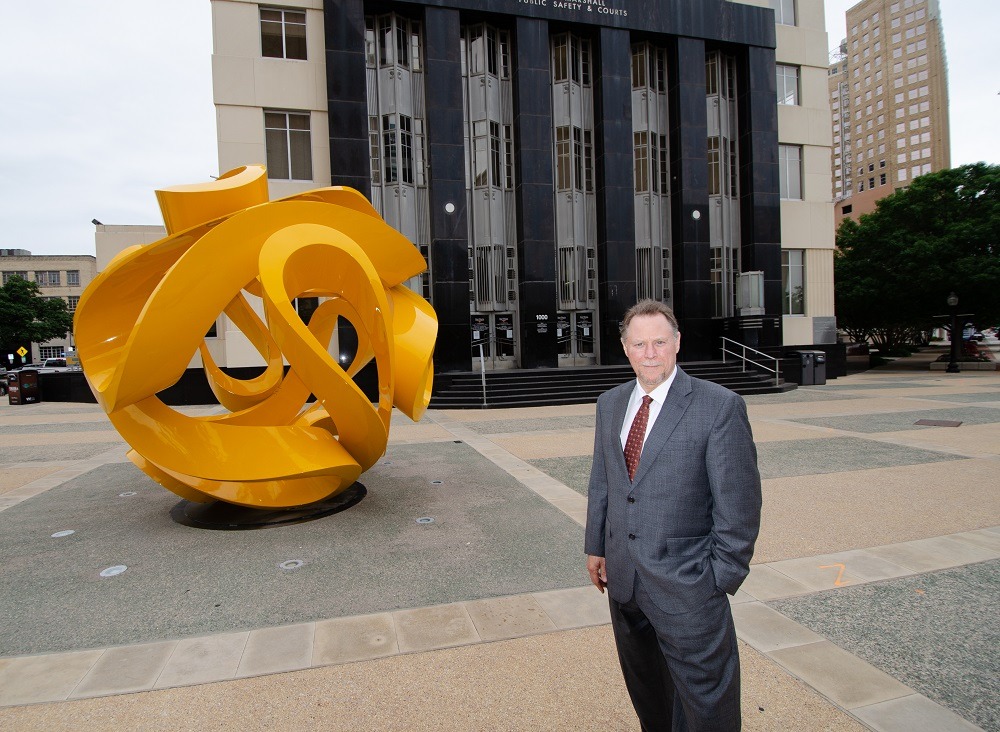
x=659, y=394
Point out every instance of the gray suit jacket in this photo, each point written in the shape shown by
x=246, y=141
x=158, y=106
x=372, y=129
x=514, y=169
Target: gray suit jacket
x=688, y=522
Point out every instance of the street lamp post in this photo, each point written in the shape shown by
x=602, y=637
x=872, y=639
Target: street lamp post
x=956, y=335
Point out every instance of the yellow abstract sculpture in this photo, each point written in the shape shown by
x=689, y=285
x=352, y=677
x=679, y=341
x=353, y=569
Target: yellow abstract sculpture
x=140, y=322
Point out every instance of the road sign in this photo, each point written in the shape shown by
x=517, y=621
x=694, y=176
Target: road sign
x=22, y=351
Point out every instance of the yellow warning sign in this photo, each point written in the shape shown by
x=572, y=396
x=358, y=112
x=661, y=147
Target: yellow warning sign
x=22, y=351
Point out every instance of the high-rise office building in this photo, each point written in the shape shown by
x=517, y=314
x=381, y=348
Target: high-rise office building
x=889, y=94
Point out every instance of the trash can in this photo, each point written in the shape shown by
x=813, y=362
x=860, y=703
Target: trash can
x=22, y=387
x=819, y=367
x=813, y=368
x=807, y=368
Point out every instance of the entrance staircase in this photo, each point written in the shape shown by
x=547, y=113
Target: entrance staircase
x=544, y=387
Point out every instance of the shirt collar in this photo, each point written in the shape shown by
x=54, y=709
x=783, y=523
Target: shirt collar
x=659, y=394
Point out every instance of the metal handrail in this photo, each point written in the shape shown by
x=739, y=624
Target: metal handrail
x=743, y=357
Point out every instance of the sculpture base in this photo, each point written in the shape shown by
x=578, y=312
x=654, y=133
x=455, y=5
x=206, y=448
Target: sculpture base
x=222, y=516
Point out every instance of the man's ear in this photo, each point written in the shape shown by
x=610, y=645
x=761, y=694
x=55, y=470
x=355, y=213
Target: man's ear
x=624, y=347
x=677, y=338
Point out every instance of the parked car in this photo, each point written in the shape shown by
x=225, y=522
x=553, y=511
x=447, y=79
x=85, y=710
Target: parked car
x=48, y=366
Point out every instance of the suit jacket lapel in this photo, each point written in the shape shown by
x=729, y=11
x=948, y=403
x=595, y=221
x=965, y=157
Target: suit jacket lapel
x=619, y=406
x=676, y=403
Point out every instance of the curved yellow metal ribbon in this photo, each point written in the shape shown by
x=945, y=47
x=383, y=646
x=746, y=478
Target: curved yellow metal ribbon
x=143, y=318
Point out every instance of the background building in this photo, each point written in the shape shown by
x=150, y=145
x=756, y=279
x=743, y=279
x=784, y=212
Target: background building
x=554, y=160
x=63, y=277
x=888, y=90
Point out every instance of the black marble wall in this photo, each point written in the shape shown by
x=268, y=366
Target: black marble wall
x=683, y=26
x=446, y=163
x=615, y=186
x=534, y=193
x=689, y=193
x=347, y=98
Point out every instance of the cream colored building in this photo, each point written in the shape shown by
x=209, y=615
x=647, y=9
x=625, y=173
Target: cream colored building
x=57, y=276
x=805, y=142
x=259, y=96
x=888, y=86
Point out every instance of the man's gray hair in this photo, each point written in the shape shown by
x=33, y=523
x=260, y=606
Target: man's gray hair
x=649, y=307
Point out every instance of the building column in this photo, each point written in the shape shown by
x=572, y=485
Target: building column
x=344, y=24
x=760, y=209
x=446, y=165
x=689, y=193
x=534, y=194
x=615, y=186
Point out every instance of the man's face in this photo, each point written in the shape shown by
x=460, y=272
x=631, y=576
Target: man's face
x=651, y=346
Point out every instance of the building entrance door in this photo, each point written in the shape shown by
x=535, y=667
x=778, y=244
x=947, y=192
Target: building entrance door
x=575, y=338
x=494, y=341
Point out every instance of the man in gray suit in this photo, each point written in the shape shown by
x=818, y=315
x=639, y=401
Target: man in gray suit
x=673, y=514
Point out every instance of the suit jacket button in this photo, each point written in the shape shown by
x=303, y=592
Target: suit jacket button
x=631, y=536
x=631, y=499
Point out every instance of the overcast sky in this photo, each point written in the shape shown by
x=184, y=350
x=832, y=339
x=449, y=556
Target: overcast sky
x=104, y=102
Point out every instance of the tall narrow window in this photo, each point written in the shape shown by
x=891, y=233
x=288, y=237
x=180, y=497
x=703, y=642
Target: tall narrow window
x=790, y=171
x=641, y=164
x=788, y=84
x=714, y=167
x=793, y=281
x=391, y=164
x=283, y=33
x=289, y=145
x=563, y=180
x=784, y=12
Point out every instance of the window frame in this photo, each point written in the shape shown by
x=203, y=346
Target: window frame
x=288, y=51
x=785, y=177
x=288, y=137
x=792, y=304
x=782, y=77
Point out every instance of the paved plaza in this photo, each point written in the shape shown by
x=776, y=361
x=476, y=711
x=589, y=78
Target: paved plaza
x=455, y=597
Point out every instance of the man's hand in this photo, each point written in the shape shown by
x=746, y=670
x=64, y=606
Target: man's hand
x=598, y=572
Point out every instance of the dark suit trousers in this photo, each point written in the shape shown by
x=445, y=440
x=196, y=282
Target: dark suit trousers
x=682, y=671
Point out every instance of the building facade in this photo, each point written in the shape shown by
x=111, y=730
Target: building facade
x=888, y=88
x=555, y=160
x=58, y=276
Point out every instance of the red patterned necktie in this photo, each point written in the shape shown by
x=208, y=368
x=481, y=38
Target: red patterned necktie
x=636, y=433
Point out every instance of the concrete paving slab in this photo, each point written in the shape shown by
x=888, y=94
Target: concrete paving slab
x=575, y=607
x=894, y=421
x=768, y=630
x=33, y=679
x=834, y=512
x=927, y=555
x=838, y=454
x=827, y=571
x=432, y=628
x=765, y=583
x=127, y=669
x=839, y=676
x=13, y=478
x=913, y=713
x=769, y=430
x=203, y=660
x=502, y=618
x=977, y=440
x=985, y=538
x=561, y=444
x=272, y=650
x=571, y=471
x=359, y=638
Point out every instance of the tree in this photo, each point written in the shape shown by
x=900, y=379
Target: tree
x=26, y=317
x=895, y=268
